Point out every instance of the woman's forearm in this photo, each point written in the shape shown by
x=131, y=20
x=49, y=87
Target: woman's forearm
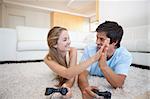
x=69, y=83
x=75, y=70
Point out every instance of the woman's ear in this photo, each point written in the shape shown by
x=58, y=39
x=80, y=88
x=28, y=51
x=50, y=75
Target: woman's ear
x=55, y=46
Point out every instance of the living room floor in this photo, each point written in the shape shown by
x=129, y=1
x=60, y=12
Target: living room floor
x=29, y=81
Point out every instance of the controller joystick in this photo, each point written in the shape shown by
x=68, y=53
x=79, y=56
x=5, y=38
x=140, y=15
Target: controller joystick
x=105, y=94
x=61, y=90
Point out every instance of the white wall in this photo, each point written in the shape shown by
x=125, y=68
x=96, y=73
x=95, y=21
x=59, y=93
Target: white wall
x=149, y=19
x=0, y=14
x=86, y=25
x=128, y=13
x=133, y=15
x=15, y=15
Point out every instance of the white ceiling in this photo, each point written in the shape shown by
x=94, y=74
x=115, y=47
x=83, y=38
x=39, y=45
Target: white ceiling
x=79, y=7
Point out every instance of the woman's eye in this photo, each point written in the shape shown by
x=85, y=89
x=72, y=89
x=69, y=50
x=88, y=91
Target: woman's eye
x=65, y=40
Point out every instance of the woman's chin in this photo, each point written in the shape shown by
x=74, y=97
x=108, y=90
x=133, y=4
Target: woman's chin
x=68, y=48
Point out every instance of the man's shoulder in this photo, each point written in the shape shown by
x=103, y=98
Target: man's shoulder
x=123, y=51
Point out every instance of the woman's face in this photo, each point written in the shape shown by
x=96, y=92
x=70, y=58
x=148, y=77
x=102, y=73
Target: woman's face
x=63, y=42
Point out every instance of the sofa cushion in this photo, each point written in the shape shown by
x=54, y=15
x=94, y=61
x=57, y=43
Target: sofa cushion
x=143, y=45
x=139, y=45
x=80, y=40
x=129, y=44
x=30, y=38
x=32, y=46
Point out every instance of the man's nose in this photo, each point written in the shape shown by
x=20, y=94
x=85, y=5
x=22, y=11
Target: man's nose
x=98, y=42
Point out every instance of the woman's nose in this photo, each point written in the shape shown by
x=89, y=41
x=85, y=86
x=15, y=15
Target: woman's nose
x=69, y=42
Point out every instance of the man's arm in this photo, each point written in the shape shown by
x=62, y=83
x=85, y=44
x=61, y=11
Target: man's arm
x=82, y=80
x=115, y=80
x=83, y=84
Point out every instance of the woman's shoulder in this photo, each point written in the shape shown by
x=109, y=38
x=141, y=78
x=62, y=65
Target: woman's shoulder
x=47, y=57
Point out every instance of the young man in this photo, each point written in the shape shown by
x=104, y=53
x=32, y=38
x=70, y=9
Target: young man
x=113, y=63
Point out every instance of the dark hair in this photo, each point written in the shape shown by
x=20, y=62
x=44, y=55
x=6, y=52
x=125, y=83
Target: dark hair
x=113, y=31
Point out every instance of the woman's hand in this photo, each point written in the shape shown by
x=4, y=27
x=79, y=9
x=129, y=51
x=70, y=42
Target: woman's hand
x=72, y=52
x=72, y=56
x=69, y=93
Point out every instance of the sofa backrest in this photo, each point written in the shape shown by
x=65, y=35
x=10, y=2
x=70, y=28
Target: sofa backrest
x=136, y=39
x=31, y=33
x=31, y=38
x=81, y=39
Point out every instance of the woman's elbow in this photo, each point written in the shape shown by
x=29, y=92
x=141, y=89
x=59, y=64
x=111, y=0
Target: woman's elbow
x=68, y=75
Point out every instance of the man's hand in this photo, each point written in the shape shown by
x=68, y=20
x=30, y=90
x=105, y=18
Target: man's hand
x=88, y=93
x=103, y=58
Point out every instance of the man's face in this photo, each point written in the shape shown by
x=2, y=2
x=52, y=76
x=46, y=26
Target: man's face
x=101, y=37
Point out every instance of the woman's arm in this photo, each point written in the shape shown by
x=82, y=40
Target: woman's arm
x=72, y=62
x=72, y=71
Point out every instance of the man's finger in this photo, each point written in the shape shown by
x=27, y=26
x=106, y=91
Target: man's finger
x=92, y=94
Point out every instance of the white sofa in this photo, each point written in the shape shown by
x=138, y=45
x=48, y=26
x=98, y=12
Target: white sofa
x=22, y=43
x=28, y=43
x=136, y=40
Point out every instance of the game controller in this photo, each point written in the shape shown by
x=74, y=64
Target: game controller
x=61, y=90
x=105, y=94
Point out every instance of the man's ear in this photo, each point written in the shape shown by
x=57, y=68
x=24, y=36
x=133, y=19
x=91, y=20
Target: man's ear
x=115, y=43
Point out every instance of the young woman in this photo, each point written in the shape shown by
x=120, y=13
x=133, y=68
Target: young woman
x=59, y=48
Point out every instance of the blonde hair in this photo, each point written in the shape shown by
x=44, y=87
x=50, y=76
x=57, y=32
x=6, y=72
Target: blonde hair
x=52, y=38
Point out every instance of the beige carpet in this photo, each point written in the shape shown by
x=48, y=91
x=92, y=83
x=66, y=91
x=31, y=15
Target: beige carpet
x=29, y=80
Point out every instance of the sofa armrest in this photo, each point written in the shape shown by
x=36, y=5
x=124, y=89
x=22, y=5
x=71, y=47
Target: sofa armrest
x=8, y=39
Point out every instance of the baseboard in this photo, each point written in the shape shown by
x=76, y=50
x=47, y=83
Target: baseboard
x=31, y=61
x=141, y=66
x=20, y=61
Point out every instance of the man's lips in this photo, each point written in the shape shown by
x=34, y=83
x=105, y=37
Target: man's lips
x=98, y=47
